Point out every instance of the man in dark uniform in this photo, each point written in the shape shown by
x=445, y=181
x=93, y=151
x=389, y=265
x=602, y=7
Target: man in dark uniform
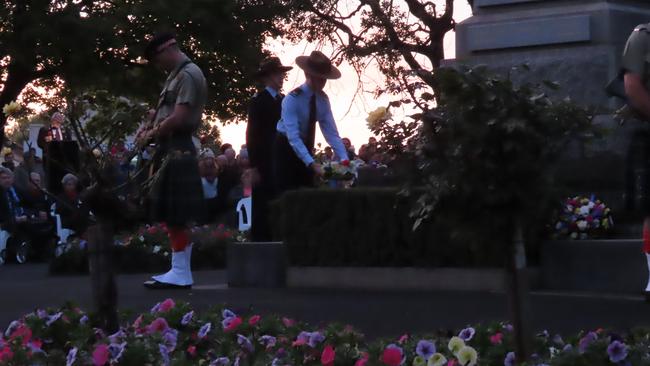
x=637, y=89
x=176, y=194
x=294, y=164
x=59, y=159
x=263, y=116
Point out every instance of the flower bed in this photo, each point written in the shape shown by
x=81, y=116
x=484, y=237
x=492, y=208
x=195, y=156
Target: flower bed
x=173, y=334
x=148, y=250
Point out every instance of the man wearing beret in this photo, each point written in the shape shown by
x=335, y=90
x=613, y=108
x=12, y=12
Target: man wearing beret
x=263, y=115
x=294, y=164
x=176, y=193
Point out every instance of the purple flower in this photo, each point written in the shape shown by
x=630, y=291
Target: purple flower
x=12, y=327
x=510, y=359
x=617, y=351
x=228, y=314
x=425, y=349
x=72, y=357
x=567, y=348
x=245, y=343
x=221, y=361
x=52, y=318
x=116, y=337
x=203, y=332
x=116, y=351
x=42, y=314
x=164, y=352
x=508, y=327
x=83, y=320
x=170, y=337
x=268, y=341
x=314, y=339
x=467, y=334
x=187, y=318
x=586, y=341
x=155, y=308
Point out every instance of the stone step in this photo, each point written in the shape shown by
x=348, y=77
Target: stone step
x=611, y=266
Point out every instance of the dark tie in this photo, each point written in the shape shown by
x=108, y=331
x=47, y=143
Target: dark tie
x=311, y=130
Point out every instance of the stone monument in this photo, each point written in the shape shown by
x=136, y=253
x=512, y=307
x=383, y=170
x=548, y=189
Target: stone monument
x=577, y=43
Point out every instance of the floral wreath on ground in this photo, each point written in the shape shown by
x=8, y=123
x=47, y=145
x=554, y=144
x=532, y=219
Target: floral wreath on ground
x=173, y=334
x=583, y=218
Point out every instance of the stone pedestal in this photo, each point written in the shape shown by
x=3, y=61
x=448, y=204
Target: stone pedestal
x=256, y=265
x=577, y=43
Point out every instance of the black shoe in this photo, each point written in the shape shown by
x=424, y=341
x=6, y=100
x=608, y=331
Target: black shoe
x=155, y=285
x=646, y=294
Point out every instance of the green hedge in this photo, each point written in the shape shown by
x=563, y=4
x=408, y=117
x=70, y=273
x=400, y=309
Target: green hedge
x=370, y=227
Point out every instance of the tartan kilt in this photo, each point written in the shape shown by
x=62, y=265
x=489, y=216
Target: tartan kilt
x=176, y=194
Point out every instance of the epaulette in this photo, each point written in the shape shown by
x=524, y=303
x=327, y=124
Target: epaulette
x=642, y=28
x=296, y=92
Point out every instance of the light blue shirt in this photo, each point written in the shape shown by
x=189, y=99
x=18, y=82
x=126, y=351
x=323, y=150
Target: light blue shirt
x=294, y=123
x=274, y=93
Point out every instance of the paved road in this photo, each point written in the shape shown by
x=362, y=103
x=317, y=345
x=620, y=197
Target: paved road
x=376, y=313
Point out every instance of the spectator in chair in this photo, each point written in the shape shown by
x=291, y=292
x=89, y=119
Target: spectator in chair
x=74, y=214
x=209, y=171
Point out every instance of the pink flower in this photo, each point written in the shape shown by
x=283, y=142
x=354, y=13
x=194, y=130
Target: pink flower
x=100, y=355
x=288, y=322
x=363, y=360
x=234, y=324
x=451, y=363
x=403, y=339
x=497, y=338
x=166, y=305
x=152, y=230
x=191, y=350
x=391, y=357
x=157, y=326
x=327, y=358
x=254, y=320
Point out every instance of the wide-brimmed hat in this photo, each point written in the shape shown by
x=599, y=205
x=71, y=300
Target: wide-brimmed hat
x=271, y=65
x=158, y=40
x=318, y=64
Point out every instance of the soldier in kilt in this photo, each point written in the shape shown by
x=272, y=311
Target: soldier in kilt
x=176, y=192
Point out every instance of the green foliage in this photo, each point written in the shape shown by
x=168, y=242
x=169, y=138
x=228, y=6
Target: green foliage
x=487, y=151
x=107, y=119
x=370, y=227
x=96, y=45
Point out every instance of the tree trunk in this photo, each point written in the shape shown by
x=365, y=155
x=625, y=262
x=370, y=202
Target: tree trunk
x=104, y=288
x=518, y=294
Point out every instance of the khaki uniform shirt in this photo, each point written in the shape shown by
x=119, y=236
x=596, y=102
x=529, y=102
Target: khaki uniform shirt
x=185, y=85
x=636, y=57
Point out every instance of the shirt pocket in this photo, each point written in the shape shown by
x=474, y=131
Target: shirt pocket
x=170, y=96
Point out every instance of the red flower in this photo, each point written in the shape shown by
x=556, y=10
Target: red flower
x=327, y=358
x=6, y=354
x=100, y=355
x=391, y=357
x=152, y=230
x=23, y=332
x=363, y=360
x=191, y=350
x=166, y=305
x=233, y=324
x=254, y=320
x=345, y=163
x=227, y=235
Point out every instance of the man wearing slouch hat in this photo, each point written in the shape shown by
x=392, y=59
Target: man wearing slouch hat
x=294, y=164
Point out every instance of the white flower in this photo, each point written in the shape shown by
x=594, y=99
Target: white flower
x=156, y=249
x=582, y=225
x=455, y=344
x=467, y=356
x=584, y=210
x=378, y=116
x=437, y=359
x=11, y=108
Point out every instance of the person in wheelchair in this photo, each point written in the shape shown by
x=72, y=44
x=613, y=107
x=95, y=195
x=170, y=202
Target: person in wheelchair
x=23, y=223
x=73, y=212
